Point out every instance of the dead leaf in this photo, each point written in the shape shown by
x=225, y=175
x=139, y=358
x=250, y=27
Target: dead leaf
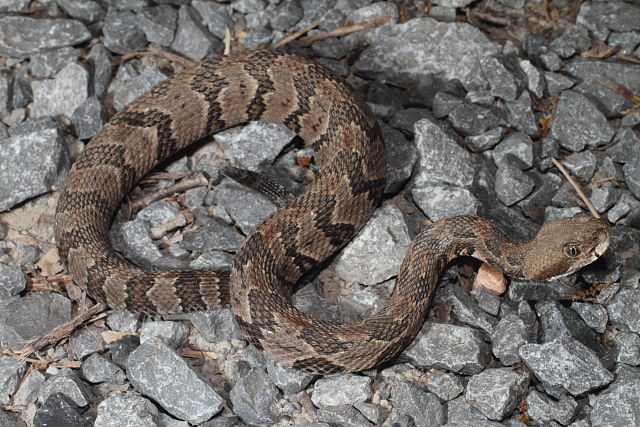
x=49, y=263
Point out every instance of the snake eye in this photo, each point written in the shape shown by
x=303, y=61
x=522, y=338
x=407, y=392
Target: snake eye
x=572, y=250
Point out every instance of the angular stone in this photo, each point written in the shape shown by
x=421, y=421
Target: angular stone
x=444, y=385
x=341, y=390
x=215, y=15
x=575, y=39
x=97, y=369
x=566, y=363
x=246, y=207
x=594, y=315
x=255, y=398
x=11, y=371
x=519, y=144
x=618, y=405
x=172, y=334
x=444, y=346
x=43, y=34
x=129, y=409
x=289, y=380
x=543, y=409
x=340, y=416
x=507, y=338
x=126, y=92
x=535, y=80
x=29, y=388
x=132, y=239
x=444, y=104
x=484, y=141
x=88, y=118
x=30, y=317
x=12, y=281
x=85, y=341
x=440, y=201
x=385, y=238
x=440, y=159
x=520, y=115
x=285, y=15
x=424, y=46
x=629, y=348
x=160, y=373
x=556, y=82
x=192, y=38
x=46, y=64
x=65, y=382
x=501, y=81
x=422, y=407
x=464, y=308
x=159, y=23
x=57, y=410
x=85, y=10
x=62, y=94
x=578, y=123
x=101, y=61
x=617, y=16
x=472, y=119
x=512, y=184
x=497, y=391
x=622, y=309
x=401, y=159
x=215, y=236
x=122, y=33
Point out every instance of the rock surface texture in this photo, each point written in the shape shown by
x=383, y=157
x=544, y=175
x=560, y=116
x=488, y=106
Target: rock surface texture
x=471, y=125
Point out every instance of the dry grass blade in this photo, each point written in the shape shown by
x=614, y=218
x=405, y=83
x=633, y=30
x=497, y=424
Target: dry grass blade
x=347, y=29
x=291, y=37
x=576, y=187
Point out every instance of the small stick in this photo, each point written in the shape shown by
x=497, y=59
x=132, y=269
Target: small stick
x=576, y=187
x=291, y=37
x=198, y=180
x=348, y=29
x=227, y=41
x=62, y=331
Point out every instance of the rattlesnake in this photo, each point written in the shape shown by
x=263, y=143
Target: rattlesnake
x=309, y=99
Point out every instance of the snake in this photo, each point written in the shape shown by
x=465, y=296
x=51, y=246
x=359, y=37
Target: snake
x=301, y=235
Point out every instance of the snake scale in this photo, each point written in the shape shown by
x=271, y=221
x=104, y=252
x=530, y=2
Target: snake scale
x=282, y=88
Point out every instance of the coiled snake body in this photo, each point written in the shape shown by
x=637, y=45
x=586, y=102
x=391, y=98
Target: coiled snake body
x=309, y=99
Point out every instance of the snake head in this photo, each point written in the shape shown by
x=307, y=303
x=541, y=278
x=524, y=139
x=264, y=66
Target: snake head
x=564, y=246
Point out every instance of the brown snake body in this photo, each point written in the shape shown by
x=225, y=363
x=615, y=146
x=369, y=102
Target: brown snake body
x=309, y=99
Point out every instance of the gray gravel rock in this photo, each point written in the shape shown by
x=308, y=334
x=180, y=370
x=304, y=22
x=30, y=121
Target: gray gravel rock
x=341, y=416
x=62, y=94
x=57, y=410
x=501, y=81
x=101, y=63
x=520, y=115
x=617, y=16
x=159, y=372
x=28, y=389
x=439, y=201
x=445, y=385
x=47, y=63
x=24, y=319
x=464, y=308
x=605, y=196
x=444, y=104
x=444, y=346
x=534, y=78
x=97, y=369
x=125, y=92
x=557, y=321
x=246, y=207
x=85, y=341
x=122, y=348
x=582, y=165
x=12, y=281
x=629, y=348
x=484, y=141
x=519, y=144
x=566, y=363
x=632, y=174
x=507, y=338
x=594, y=315
x=122, y=32
x=440, y=159
x=512, y=184
x=541, y=408
x=556, y=82
x=214, y=325
x=132, y=239
x=13, y=6
x=85, y=10
x=172, y=334
x=496, y=391
x=88, y=118
x=472, y=119
x=67, y=383
x=129, y=409
x=424, y=46
x=192, y=38
x=401, y=159
x=341, y=390
x=575, y=39
x=460, y=412
x=289, y=380
x=618, y=405
x=255, y=398
x=578, y=123
x=43, y=34
x=622, y=310
x=11, y=371
x=215, y=235
x=215, y=15
x=285, y=15
x=119, y=320
x=423, y=407
x=158, y=23
x=384, y=238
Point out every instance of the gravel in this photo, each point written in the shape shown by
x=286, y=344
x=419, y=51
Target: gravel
x=471, y=125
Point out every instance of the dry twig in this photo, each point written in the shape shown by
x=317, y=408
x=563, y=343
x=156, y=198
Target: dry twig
x=576, y=187
x=198, y=180
x=347, y=29
x=291, y=37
